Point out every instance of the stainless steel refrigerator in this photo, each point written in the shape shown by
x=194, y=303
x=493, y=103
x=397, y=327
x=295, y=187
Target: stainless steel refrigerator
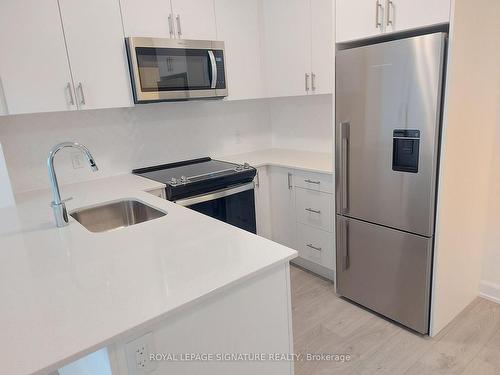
x=388, y=113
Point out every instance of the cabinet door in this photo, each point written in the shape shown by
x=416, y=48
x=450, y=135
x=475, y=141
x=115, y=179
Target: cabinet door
x=194, y=19
x=262, y=203
x=283, y=221
x=147, y=18
x=238, y=25
x=357, y=19
x=96, y=50
x=322, y=46
x=34, y=71
x=410, y=14
x=287, y=46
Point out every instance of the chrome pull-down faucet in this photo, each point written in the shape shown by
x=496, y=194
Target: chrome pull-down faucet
x=58, y=205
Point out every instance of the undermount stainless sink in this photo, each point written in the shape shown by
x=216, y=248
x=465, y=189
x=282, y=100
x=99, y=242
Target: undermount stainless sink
x=115, y=215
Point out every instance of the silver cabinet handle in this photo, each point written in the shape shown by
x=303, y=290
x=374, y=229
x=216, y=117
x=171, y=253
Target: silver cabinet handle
x=313, y=211
x=171, y=25
x=82, y=95
x=289, y=181
x=71, y=97
x=344, y=156
x=307, y=81
x=311, y=246
x=178, y=19
x=313, y=81
x=378, y=22
x=312, y=182
x=389, y=6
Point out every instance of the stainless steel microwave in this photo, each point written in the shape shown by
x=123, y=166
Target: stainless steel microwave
x=174, y=69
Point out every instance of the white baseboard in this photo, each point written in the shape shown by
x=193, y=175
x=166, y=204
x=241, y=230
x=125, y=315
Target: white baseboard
x=490, y=291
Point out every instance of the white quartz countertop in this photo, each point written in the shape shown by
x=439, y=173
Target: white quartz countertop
x=295, y=159
x=66, y=292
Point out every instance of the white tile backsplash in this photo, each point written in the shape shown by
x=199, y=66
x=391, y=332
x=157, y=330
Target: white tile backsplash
x=126, y=138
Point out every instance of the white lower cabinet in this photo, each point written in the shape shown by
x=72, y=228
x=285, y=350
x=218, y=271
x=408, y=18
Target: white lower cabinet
x=314, y=208
x=315, y=245
x=302, y=216
x=262, y=203
x=282, y=199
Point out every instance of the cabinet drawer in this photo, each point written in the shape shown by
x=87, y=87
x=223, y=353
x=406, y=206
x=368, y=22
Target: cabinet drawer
x=314, y=181
x=314, y=208
x=315, y=245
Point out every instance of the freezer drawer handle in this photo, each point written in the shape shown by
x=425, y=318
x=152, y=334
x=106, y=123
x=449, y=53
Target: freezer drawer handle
x=346, y=245
x=313, y=211
x=313, y=247
x=312, y=182
x=343, y=244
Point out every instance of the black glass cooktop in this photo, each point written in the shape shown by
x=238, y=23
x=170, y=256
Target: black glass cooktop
x=197, y=176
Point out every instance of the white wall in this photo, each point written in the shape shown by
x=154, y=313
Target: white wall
x=127, y=138
x=466, y=156
x=490, y=284
x=302, y=123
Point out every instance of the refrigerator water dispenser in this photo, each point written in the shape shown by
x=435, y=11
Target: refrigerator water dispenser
x=405, y=150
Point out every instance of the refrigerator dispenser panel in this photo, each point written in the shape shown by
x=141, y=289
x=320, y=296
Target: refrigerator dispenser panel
x=405, y=150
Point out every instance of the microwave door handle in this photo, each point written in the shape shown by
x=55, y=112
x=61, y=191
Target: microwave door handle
x=213, y=64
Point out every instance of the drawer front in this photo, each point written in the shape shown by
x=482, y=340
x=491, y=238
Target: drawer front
x=314, y=208
x=315, y=245
x=314, y=181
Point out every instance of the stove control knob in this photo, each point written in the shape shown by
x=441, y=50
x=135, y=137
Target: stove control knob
x=246, y=166
x=238, y=168
x=173, y=181
x=184, y=179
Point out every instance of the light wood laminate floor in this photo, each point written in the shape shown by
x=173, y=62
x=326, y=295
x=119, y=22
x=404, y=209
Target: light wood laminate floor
x=325, y=323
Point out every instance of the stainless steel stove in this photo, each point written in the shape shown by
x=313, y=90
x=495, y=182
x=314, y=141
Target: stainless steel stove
x=216, y=188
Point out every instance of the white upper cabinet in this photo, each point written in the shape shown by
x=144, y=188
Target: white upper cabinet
x=359, y=19
x=298, y=47
x=410, y=14
x=96, y=50
x=287, y=47
x=194, y=19
x=147, y=18
x=34, y=71
x=238, y=25
x=182, y=19
x=322, y=46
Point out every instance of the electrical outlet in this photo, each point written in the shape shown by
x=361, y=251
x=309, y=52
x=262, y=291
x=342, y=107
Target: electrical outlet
x=77, y=160
x=138, y=352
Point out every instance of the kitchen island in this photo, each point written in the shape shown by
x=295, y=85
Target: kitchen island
x=196, y=284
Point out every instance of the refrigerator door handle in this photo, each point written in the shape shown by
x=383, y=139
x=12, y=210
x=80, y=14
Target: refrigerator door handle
x=344, y=162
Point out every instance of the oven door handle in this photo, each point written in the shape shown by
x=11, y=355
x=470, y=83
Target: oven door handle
x=215, y=194
x=213, y=64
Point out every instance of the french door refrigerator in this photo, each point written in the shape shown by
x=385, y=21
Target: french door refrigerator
x=388, y=113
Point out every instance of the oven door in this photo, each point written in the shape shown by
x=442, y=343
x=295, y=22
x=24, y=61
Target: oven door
x=234, y=205
x=169, y=69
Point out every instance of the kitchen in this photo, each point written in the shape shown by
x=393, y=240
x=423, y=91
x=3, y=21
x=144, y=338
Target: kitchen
x=90, y=298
